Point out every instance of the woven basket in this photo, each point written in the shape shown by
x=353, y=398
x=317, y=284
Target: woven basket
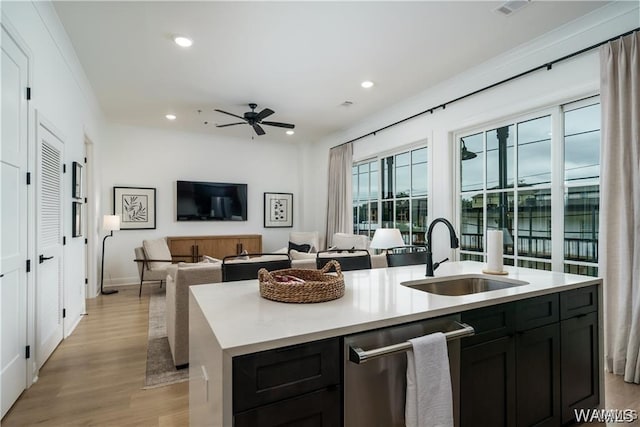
x=317, y=287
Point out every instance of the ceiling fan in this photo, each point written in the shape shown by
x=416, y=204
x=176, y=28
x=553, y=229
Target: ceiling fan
x=255, y=119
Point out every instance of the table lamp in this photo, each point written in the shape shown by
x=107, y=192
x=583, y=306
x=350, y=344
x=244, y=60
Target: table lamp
x=386, y=238
x=110, y=223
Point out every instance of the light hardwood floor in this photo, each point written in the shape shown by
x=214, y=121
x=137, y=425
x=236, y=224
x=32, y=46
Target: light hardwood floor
x=95, y=377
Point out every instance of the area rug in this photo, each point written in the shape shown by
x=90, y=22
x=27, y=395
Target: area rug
x=160, y=368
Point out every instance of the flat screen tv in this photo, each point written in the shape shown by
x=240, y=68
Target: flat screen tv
x=211, y=201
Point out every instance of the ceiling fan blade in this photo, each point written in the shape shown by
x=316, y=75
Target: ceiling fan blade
x=258, y=129
x=264, y=114
x=280, y=125
x=230, y=114
x=231, y=124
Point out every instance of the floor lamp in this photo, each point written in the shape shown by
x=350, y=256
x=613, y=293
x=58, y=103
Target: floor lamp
x=110, y=223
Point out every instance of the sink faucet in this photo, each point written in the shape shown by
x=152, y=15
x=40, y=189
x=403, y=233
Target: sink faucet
x=452, y=237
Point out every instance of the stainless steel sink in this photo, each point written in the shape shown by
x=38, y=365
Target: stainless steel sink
x=465, y=285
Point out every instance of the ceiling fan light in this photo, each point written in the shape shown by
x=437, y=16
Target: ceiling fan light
x=182, y=41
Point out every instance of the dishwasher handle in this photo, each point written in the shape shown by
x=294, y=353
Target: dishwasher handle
x=359, y=356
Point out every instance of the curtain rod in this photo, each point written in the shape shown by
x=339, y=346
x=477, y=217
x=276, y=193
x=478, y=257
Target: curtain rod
x=547, y=65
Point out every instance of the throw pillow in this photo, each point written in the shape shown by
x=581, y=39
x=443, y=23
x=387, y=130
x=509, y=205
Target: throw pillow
x=207, y=258
x=300, y=248
x=295, y=255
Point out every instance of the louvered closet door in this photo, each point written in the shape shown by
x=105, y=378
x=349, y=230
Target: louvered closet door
x=49, y=327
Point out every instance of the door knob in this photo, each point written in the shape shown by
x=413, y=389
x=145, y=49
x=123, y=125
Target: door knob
x=44, y=258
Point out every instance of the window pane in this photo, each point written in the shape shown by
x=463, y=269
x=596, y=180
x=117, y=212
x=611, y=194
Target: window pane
x=361, y=218
x=500, y=216
x=472, y=223
x=585, y=270
x=387, y=214
x=508, y=261
x=354, y=183
x=403, y=159
x=386, y=180
x=418, y=220
x=534, y=223
x=363, y=186
x=402, y=218
x=582, y=157
x=373, y=183
x=403, y=181
x=471, y=257
x=538, y=265
x=471, y=167
x=419, y=180
x=582, y=120
x=534, y=151
x=500, y=157
x=419, y=156
x=581, y=216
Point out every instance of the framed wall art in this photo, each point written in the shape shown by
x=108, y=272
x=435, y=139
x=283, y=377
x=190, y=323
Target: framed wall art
x=136, y=207
x=278, y=210
x=76, y=180
x=76, y=214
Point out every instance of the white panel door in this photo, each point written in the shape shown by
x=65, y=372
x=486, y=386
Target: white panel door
x=13, y=223
x=49, y=326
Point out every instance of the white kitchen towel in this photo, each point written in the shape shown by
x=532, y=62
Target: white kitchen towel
x=429, y=399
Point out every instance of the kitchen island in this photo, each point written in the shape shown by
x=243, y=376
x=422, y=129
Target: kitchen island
x=231, y=319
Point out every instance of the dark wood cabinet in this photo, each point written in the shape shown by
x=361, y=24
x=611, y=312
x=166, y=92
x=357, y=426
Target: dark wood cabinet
x=488, y=384
x=579, y=352
x=317, y=409
x=538, y=376
x=299, y=385
x=526, y=366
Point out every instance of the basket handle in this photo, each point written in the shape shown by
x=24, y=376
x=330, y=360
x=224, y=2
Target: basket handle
x=264, y=275
x=333, y=263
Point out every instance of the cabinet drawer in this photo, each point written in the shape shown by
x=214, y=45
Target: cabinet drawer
x=320, y=408
x=578, y=301
x=535, y=312
x=489, y=323
x=274, y=375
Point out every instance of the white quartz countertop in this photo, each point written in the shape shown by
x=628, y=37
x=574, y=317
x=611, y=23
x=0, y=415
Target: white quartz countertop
x=243, y=322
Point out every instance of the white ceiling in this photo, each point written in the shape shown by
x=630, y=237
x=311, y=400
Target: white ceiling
x=301, y=59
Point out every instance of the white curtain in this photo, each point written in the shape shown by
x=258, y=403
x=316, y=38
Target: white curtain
x=619, y=248
x=339, y=216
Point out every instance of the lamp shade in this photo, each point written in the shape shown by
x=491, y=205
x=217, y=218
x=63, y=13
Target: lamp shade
x=111, y=222
x=385, y=238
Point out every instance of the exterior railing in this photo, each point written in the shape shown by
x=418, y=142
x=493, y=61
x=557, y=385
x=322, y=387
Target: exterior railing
x=575, y=249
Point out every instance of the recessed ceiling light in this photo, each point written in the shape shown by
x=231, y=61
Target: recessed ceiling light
x=290, y=132
x=366, y=84
x=170, y=116
x=183, y=41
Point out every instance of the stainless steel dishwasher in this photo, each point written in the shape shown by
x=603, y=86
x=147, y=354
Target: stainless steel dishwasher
x=376, y=366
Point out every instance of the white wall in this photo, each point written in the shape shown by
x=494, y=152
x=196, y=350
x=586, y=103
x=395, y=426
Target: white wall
x=146, y=157
x=62, y=96
x=566, y=81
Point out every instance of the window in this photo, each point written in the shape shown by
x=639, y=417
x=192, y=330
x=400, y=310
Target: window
x=506, y=182
x=402, y=199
